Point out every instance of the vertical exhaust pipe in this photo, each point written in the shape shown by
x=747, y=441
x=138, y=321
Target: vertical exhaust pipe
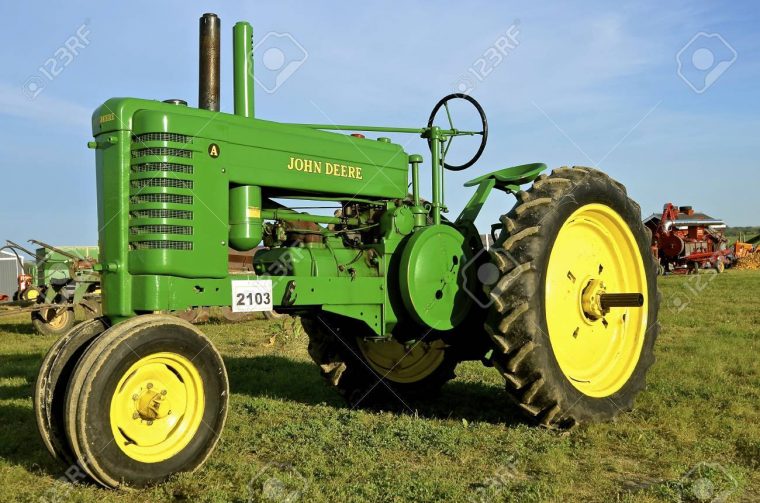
x=208, y=63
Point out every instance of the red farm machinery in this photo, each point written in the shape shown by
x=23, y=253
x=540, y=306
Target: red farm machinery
x=685, y=241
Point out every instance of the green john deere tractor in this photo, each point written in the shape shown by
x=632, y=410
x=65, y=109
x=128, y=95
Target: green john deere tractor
x=392, y=294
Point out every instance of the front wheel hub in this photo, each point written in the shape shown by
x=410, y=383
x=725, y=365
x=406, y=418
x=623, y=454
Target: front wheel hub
x=153, y=404
x=157, y=407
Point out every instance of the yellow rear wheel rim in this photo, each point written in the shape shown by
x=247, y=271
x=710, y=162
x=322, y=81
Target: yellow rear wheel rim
x=56, y=321
x=157, y=407
x=399, y=363
x=595, y=247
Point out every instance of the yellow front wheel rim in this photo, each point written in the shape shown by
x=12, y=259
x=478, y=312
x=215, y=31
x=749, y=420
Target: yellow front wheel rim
x=595, y=249
x=157, y=407
x=399, y=363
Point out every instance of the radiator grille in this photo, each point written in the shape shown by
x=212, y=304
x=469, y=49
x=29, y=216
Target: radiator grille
x=177, y=138
x=162, y=213
x=152, y=220
x=163, y=166
x=161, y=229
x=175, y=152
x=175, y=183
x=161, y=198
x=161, y=245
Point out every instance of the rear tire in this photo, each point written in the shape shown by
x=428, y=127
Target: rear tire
x=720, y=266
x=526, y=352
x=52, y=322
x=348, y=364
x=146, y=400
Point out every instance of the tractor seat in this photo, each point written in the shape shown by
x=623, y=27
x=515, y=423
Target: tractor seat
x=510, y=179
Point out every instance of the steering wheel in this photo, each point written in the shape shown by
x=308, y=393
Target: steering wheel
x=483, y=132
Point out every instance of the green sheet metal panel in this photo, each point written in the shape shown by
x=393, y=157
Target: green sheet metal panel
x=52, y=265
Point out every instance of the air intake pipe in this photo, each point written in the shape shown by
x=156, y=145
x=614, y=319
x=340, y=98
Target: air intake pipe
x=242, y=58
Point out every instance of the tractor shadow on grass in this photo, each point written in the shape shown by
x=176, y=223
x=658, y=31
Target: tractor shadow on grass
x=282, y=378
x=20, y=365
x=19, y=328
x=19, y=439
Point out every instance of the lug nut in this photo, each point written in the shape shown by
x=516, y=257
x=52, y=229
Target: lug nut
x=149, y=385
x=163, y=392
x=135, y=415
x=135, y=396
x=150, y=422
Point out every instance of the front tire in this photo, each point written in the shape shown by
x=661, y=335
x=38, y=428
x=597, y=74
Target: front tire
x=52, y=380
x=573, y=230
x=146, y=400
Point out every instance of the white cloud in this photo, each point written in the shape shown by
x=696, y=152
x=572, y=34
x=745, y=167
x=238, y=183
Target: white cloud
x=43, y=108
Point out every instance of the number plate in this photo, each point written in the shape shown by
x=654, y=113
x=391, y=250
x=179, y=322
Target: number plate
x=251, y=295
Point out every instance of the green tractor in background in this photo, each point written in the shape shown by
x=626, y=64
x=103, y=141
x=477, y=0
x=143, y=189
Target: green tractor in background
x=65, y=275
x=392, y=294
x=60, y=280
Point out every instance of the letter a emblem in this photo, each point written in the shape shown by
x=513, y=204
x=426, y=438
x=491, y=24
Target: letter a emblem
x=213, y=150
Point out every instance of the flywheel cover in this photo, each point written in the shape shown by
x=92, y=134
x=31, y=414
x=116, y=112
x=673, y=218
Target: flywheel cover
x=433, y=271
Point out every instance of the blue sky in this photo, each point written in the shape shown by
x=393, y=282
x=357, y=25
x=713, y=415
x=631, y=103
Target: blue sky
x=587, y=83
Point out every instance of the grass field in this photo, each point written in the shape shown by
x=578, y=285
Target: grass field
x=734, y=233
x=694, y=436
